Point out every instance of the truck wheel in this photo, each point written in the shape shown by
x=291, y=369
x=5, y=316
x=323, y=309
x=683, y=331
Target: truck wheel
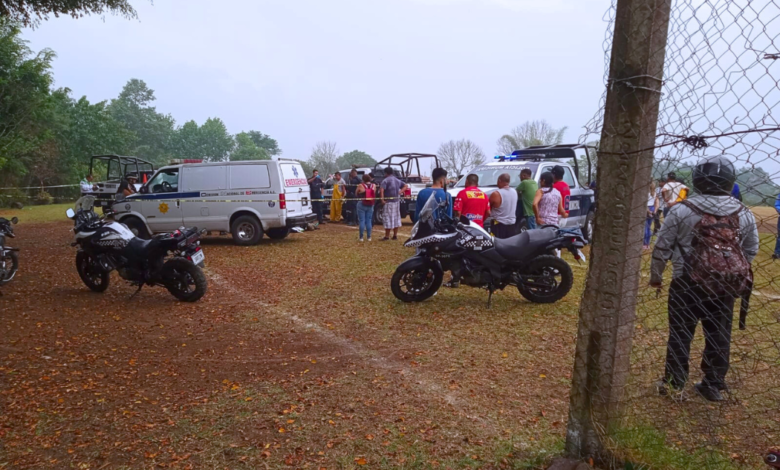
x=137, y=227
x=588, y=228
x=378, y=210
x=246, y=230
x=278, y=233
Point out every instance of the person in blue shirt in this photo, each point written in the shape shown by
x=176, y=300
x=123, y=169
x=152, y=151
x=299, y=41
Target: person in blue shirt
x=735, y=193
x=776, y=254
x=439, y=183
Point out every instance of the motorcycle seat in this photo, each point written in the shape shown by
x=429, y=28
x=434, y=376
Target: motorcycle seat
x=521, y=246
x=141, y=247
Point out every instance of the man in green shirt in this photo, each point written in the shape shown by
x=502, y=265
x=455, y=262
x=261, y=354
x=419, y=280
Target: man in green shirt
x=526, y=191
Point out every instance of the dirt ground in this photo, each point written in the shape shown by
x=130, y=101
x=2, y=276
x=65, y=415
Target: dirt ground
x=298, y=357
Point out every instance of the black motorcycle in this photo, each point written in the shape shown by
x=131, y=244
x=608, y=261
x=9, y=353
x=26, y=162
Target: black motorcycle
x=527, y=261
x=107, y=245
x=9, y=260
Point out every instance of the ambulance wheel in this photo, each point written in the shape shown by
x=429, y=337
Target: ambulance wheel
x=246, y=230
x=135, y=225
x=278, y=233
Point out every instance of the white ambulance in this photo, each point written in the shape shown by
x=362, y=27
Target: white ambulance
x=246, y=198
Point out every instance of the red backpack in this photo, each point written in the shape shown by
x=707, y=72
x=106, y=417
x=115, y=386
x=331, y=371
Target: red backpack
x=716, y=261
x=369, y=195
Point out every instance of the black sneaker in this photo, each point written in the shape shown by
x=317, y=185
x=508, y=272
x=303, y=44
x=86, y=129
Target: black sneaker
x=709, y=392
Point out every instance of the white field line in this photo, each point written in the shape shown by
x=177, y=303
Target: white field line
x=358, y=349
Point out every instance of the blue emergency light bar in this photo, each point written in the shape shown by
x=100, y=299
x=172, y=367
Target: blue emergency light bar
x=511, y=158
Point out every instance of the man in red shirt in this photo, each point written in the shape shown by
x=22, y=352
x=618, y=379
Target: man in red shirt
x=561, y=186
x=472, y=202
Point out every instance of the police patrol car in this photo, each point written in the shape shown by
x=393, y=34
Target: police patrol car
x=246, y=198
x=540, y=159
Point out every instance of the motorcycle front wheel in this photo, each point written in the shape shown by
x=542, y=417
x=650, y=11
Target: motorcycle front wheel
x=546, y=279
x=184, y=280
x=92, y=276
x=416, y=284
x=10, y=263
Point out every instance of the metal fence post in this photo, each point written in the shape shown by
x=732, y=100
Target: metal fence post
x=608, y=307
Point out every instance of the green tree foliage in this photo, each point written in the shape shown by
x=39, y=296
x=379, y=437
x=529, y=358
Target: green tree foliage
x=31, y=12
x=264, y=141
x=47, y=136
x=357, y=158
x=247, y=149
x=216, y=141
x=84, y=129
x=25, y=105
x=154, y=131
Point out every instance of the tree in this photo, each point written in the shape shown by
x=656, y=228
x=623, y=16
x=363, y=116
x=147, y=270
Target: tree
x=528, y=134
x=83, y=129
x=25, y=106
x=323, y=157
x=356, y=158
x=216, y=142
x=458, y=156
x=247, y=149
x=154, y=130
x=31, y=12
x=264, y=141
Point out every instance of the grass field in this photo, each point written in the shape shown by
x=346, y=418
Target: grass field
x=299, y=356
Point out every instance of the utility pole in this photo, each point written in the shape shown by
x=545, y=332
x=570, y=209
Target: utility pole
x=608, y=308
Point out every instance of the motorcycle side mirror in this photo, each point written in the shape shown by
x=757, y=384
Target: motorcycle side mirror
x=15, y=220
x=70, y=213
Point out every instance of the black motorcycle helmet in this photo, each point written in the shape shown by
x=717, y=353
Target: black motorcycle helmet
x=714, y=176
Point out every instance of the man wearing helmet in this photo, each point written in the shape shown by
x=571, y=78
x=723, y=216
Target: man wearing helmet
x=709, y=223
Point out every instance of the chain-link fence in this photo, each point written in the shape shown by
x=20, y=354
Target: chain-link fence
x=717, y=96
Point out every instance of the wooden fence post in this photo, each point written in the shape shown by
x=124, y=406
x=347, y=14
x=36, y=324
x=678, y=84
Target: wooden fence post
x=608, y=308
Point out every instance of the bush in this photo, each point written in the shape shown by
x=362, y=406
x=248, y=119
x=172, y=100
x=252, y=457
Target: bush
x=13, y=197
x=43, y=198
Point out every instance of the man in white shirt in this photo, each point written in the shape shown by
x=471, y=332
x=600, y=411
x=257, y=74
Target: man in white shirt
x=671, y=192
x=86, y=185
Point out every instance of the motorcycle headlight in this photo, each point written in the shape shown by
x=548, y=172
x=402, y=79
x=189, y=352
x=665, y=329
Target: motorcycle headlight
x=415, y=228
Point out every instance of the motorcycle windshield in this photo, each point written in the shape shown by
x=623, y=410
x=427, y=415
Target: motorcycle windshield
x=84, y=202
x=426, y=214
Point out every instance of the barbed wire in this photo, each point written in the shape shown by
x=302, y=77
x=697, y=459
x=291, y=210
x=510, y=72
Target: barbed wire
x=718, y=97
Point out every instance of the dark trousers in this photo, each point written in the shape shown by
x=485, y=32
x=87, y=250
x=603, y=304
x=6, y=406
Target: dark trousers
x=656, y=221
x=689, y=304
x=316, y=206
x=503, y=231
x=777, y=243
x=351, y=209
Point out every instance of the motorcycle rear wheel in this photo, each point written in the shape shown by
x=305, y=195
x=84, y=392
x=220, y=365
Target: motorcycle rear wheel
x=11, y=265
x=184, y=280
x=96, y=279
x=557, y=278
x=416, y=285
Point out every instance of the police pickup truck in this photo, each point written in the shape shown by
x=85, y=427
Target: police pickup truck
x=539, y=159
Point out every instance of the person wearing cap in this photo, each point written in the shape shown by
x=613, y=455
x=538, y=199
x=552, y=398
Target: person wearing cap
x=692, y=301
x=127, y=187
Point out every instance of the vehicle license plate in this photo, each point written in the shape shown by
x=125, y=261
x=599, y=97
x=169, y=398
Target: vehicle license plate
x=198, y=257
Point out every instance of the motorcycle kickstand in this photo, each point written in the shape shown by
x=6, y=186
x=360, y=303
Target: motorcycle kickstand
x=490, y=295
x=140, y=286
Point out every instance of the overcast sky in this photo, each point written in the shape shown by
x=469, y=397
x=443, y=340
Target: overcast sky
x=382, y=76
